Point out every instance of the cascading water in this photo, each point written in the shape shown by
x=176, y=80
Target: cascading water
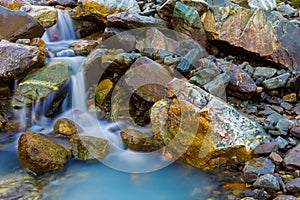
x=106, y=179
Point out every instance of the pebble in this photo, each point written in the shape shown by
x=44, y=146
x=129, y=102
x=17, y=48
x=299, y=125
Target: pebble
x=268, y=182
x=266, y=72
x=266, y=148
x=276, y=82
x=293, y=186
x=284, y=124
x=276, y=158
x=295, y=131
x=291, y=98
x=281, y=142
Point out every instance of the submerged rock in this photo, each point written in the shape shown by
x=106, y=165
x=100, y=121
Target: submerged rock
x=19, y=187
x=40, y=154
x=201, y=129
x=37, y=86
x=16, y=60
x=46, y=15
x=138, y=141
x=21, y=25
x=89, y=147
x=262, y=33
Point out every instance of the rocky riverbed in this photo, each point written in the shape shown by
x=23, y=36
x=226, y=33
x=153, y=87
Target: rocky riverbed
x=217, y=82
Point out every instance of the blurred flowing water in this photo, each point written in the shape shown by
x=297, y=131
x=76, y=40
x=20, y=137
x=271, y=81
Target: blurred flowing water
x=123, y=174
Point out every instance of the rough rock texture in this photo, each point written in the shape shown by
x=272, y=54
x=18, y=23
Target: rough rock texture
x=40, y=154
x=292, y=158
x=83, y=47
x=46, y=15
x=138, y=141
x=131, y=20
x=36, y=87
x=268, y=182
x=89, y=147
x=98, y=10
x=201, y=129
x=293, y=186
x=21, y=25
x=65, y=127
x=13, y=4
x=187, y=20
x=266, y=34
x=15, y=186
x=16, y=60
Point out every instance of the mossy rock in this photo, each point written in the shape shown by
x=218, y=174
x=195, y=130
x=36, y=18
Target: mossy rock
x=65, y=127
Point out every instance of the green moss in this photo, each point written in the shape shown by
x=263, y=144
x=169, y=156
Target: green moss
x=296, y=3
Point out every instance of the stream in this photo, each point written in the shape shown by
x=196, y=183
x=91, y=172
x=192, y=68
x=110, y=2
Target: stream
x=123, y=174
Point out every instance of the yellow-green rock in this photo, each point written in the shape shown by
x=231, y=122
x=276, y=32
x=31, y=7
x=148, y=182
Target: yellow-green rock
x=40, y=154
x=202, y=130
x=89, y=148
x=103, y=90
x=65, y=127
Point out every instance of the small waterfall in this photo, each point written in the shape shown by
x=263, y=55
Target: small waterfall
x=62, y=30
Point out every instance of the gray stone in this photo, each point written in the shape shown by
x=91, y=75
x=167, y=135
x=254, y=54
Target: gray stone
x=256, y=167
x=286, y=10
x=292, y=158
x=266, y=72
x=284, y=125
x=293, y=186
x=266, y=148
x=21, y=25
x=187, y=63
x=267, y=182
x=203, y=76
x=276, y=82
x=217, y=86
x=281, y=142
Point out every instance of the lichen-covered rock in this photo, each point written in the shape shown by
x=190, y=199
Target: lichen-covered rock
x=262, y=33
x=98, y=10
x=23, y=186
x=40, y=154
x=46, y=15
x=89, y=147
x=65, y=127
x=131, y=20
x=14, y=4
x=187, y=20
x=103, y=91
x=201, y=129
x=83, y=47
x=37, y=86
x=138, y=141
x=16, y=60
x=21, y=25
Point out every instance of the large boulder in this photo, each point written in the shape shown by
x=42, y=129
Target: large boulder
x=36, y=87
x=202, y=130
x=14, y=4
x=40, y=154
x=46, y=15
x=21, y=25
x=16, y=60
x=98, y=10
x=258, y=33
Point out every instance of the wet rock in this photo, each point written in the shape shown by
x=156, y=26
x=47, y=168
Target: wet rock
x=98, y=10
x=291, y=98
x=37, y=86
x=267, y=182
x=276, y=82
x=13, y=127
x=46, y=15
x=202, y=130
x=265, y=28
x=83, y=47
x=276, y=158
x=17, y=60
x=266, y=148
x=40, y=154
x=65, y=53
x=89, y=147
x=103, y=91
x=292, y=158
x=285, y=197
x=65, y=127
x=131, y=20
x=22, y=25
x=293, y=186
x=138, y=141
x=187, y=20
x=15, y=186
x=266, y=72
x=66, y=3
x=217, y=87
x=256, y=167
x=3, y=119
x=241, y=84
